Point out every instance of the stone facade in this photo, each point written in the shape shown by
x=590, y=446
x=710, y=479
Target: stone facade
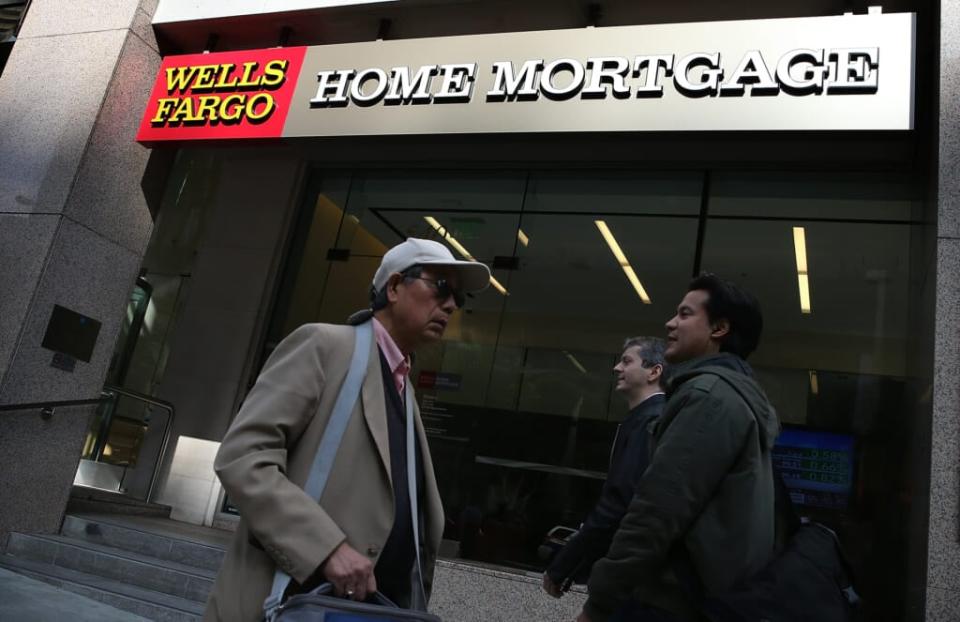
x=74, y=224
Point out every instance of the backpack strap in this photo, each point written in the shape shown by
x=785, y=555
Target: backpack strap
x=785, y=516
x=329, y=444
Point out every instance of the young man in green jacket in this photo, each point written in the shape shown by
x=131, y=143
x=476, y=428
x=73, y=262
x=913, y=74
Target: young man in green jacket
x=706, y=503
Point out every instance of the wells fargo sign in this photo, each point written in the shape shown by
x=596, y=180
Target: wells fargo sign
x=224, y=95
x=850, y=72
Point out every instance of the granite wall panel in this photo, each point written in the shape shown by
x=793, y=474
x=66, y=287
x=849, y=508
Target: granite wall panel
x=143, y=27
x=49, y=18
x=943, y=605
x=943, y=566
x=51, y=92
x=107, y=196
x=74, y=223
x=949, y=160
x=38, y=458
x=25, y=241
x=89, y=275
x=945, y=451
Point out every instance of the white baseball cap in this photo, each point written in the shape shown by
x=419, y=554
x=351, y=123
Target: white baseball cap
x=474, y=276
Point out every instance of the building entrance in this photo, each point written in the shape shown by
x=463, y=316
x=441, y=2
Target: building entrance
x=518, y=398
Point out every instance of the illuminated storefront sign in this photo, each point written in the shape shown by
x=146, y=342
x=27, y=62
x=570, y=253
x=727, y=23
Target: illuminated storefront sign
x=220, y=96
x=824, y=73
x=798, y=72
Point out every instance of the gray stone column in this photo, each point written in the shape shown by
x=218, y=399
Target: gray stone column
x=943, y=562
x=74, y=224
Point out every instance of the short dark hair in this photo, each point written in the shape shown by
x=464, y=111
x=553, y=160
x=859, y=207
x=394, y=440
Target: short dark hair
x=728, y=301
x=378, y=300
x=652, y=352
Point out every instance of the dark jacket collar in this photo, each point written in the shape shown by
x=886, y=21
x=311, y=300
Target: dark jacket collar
x=653, y=405
x=738, y=375
x=682, y=372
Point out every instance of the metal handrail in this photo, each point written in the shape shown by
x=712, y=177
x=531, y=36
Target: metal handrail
x=48, y=408
x=152, y=401
x=110, y=392
x=143, y=397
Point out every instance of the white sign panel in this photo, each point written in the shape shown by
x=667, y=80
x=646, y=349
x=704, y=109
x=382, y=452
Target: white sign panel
x=171, y=11
x=853, y=72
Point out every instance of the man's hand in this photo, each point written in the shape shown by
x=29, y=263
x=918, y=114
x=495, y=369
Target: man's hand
x=550, y=587
x=350, y=573
x=582, y=618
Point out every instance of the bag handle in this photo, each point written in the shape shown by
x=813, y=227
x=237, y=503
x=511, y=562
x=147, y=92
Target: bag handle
x=329, y=444
x=377, y=598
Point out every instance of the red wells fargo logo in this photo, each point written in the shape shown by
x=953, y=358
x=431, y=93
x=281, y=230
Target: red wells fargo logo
x=223, y=95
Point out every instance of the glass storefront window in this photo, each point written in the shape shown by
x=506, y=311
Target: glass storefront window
x=840, y=369
x=518, y=398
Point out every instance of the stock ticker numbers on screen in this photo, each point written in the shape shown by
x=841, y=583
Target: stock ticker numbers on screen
x=817, y=467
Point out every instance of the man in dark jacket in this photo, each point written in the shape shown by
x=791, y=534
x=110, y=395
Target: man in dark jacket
x=640, y=379
x=706, y=502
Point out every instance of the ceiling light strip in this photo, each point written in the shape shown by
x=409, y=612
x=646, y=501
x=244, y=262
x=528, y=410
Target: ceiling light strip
x=497, y=286
x=622, y=260
x=523, y=238
x=573, y=361
x=803, y=277
x=452, y=241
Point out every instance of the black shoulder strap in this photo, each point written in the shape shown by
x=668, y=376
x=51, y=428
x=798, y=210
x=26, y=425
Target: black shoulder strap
x=785, y=513
x=786, y=518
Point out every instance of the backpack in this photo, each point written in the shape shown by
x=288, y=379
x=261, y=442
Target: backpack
x=808, y=580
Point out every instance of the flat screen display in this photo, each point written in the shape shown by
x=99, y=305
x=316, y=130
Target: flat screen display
x=816, y=466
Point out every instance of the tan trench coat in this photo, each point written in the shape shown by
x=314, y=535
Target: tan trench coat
x=265, y=459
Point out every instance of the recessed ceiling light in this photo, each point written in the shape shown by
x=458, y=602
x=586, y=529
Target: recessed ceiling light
x=452, y=241
x=803, y=277
x=573, y=361
x=523, y=237
x=622, y=260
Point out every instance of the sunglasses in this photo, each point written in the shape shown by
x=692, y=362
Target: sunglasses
x=444, y=290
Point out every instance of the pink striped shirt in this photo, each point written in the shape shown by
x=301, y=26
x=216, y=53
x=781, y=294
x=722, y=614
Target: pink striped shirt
x=399, y=364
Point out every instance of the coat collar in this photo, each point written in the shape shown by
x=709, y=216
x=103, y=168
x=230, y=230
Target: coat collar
x=682, y=372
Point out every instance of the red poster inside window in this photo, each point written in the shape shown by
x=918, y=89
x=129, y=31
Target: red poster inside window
x=222, y=95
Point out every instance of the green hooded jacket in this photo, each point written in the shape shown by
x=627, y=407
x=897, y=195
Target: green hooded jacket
x=709, y=488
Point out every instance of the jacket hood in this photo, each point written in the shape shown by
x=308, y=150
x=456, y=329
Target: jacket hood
x=738, y=374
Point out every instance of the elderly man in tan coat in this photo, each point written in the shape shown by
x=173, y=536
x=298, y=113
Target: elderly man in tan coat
x=360, y=536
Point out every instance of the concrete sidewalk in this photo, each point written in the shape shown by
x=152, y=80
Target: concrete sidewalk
x=22, y=598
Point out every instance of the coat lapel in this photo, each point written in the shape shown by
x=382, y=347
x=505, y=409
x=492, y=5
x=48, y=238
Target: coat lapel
x=374, y=409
